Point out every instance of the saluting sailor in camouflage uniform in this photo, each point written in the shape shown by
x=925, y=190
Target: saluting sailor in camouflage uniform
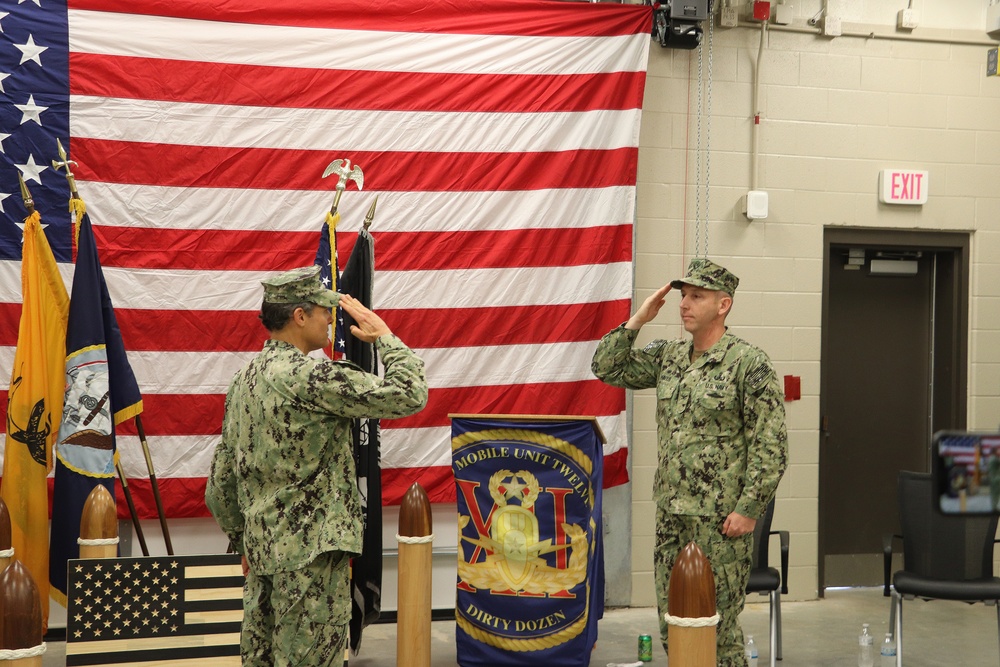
x=283, y=485
x=721, y=432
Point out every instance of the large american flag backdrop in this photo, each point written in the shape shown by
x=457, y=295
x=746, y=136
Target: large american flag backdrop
x=501, y=139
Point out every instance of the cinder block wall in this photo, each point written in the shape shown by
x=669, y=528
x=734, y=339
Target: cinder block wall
x=835, y=111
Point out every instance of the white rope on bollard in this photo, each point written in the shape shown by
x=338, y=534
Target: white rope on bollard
x=19, y=653
x=702, y=622
x=7, y=553
x=97, y=542
x=414, y=540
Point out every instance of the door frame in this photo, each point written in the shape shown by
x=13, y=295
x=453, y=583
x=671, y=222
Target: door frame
x=950, y=372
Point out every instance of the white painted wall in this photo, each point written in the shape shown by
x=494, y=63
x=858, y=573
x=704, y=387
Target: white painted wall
x=834, y=112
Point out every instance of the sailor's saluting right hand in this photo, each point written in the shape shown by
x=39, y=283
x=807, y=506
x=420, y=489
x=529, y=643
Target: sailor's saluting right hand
x=649, y=309
x=369, y=326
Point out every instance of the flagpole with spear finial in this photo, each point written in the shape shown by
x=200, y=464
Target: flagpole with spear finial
x=370, y=216
x=29, y=203
x=77, y=206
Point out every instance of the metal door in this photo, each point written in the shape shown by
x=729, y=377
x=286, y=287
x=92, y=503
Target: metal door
x=892, y=373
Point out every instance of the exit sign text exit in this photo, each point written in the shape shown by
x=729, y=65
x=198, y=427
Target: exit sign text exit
x=903, y=186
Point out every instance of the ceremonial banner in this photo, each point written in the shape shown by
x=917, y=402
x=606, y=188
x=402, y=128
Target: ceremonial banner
x=101, y=393
x=34, y=405
x=501, y=139
x=165, y=610
x=530, y=555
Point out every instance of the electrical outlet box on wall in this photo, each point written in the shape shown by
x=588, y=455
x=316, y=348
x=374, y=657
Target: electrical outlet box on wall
x=993, y=21
x=761, y=10
x=755, y=205
x=832, y=26
x=784, y=13
x=907, y=19
x=729, y=17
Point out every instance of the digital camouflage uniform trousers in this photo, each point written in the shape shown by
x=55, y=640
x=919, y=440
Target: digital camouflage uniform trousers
x=299, y=617
x=731, y=558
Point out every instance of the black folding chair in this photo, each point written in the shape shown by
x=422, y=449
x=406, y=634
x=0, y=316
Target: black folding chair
x=765, y=579
x=945, y=557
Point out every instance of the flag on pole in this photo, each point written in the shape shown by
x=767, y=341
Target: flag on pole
x=366, y=570
x=326, y=259
x=34, y=405
x=502, y=138
x=101, y=392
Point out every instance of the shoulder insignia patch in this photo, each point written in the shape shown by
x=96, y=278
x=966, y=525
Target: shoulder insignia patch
x=655, y=346
x=758, y=376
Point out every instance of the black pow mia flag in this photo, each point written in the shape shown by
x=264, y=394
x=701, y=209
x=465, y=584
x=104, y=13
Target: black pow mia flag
x=366, y=572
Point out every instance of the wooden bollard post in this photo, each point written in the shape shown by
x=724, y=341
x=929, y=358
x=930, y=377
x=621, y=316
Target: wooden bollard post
x=416, y=538
x=6, y=547
x=99, y=525
x=21, y=631
x=692, y=616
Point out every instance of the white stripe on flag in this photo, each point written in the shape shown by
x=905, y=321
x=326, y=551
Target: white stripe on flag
x=164, y=207
x=285, y=46
x=472, y=288
x=158, y=122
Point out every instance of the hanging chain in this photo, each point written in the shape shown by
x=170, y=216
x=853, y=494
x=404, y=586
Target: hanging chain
x=703, y=161
x=698, y=159
x=708, y=134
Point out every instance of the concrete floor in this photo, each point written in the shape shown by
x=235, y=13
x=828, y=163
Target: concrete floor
x=820, y=633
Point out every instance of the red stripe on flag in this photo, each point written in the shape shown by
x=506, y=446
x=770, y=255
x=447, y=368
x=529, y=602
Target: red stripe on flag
x=276, y=169
x=226, y=250
x=586, y=397
x=178, y=414
x=208, y=249
x=201, y=414
x=511, y=17
x=191, y=330
x=306, y=88
x=438, y=482
x=10, y=320
x=241, y=330
x=616, y=468
x=492, y=249
x=183, y=497
x=511, y=325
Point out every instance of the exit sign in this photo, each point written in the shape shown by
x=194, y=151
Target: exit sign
x=903, y=186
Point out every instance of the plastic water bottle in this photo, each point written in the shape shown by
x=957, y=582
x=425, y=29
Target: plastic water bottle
x=888, y=651
x=751, y=651
x=866, y=648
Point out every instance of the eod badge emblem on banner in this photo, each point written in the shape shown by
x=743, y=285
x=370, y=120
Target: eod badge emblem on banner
x=530, y=562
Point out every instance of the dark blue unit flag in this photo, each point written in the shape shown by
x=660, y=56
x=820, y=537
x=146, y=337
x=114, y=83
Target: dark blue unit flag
x=530, y=556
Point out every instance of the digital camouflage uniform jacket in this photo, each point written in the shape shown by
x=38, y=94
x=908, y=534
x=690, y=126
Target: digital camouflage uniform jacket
x=282, y=484
x=720, y=421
